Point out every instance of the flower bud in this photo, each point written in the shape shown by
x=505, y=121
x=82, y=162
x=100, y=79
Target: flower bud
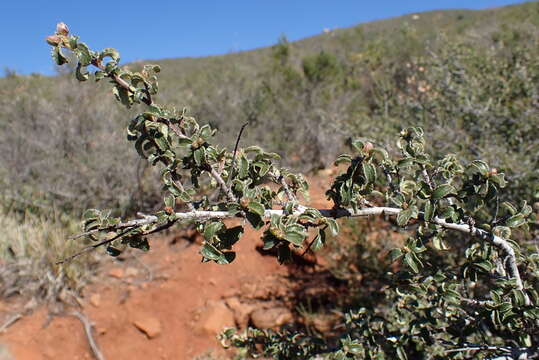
x=492, y=171
x=53, y=40
x=244, y=202
x=62, y=29
x=367, y=147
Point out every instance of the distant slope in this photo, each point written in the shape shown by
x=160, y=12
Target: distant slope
x=304, y=100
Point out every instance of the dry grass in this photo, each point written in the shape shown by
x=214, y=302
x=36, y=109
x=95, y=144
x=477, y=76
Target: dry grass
x=29, y=249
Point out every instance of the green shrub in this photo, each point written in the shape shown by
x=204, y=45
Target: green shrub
x=463, y=284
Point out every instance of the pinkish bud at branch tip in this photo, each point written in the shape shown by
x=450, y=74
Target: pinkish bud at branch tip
x=62, y=29
x=53, y=40
x=367, y=147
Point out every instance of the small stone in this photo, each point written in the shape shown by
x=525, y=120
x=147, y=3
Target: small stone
x=216, y=316
x=131, y=272
x=149, y=326
x=95, y=300
x=241, y=311
x=117, y=273
x=271, y=318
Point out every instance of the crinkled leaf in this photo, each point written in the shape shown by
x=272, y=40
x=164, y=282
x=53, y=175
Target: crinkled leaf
x=515, y=221
x=243, y=171
x=430, y=210
x=442, y=191
x=395, y=254
x=295, y=237
x=210, y=252
x=410, y=262
x=369, y=172
x=211, y=229
x=256, y=208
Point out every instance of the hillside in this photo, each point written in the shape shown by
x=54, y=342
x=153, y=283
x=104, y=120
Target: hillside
x=469, y=78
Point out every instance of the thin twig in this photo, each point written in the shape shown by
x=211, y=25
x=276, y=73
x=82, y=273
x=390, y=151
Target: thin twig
x=182, y=189
x=88, y=330
x=93, y=247
x=478, y=348
x=288, y=193
x=233, y=164
x=224, y=187
x=426, y=177
x=10, y=321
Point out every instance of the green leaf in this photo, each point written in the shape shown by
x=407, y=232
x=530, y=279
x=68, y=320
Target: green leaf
x=343, y=158
x=254, y=148
x=244, y=167
x=295, y=237
x=479, y=166
x=442, y=191
x=319, y=240
x=502, y=231
x=369, y=172
x=401, y=353
x=81, y=73
x=333, y=226
x=438, y=243
x=410, y=262
x=109, y=52
x=515, y=221
x=498, y=179
x=205, y=132
x=430, y=210
x=85, y=56
x=91, y=214
x=394, y=254
x=406, y=162
x=509, y=207
x=199, y=156
x=58, y=56
x=256, y=208
x=405, y=215
x=162, y=142
x=99, y=75
x=358, y=145
x=211, y=229
x=184, y=141
x=210, y=252
x=227, y=258
x=170, y=201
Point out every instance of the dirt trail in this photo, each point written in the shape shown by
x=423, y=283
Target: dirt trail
x=171, y=317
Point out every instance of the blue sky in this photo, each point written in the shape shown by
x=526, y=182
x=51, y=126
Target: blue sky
x=154, y=29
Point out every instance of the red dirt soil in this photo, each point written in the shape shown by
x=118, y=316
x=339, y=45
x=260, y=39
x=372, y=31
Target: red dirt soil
x=170, y=308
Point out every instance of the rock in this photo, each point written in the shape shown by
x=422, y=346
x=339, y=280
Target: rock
x=95, y=300
x=149, y=325
x=117, y=273
x=271, y=318
x=216, y=316
x=241, y=311
x=131, y=272
x=323, y=324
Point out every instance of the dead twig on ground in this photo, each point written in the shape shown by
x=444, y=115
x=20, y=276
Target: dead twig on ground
x=10, y=321
x=88, y=331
